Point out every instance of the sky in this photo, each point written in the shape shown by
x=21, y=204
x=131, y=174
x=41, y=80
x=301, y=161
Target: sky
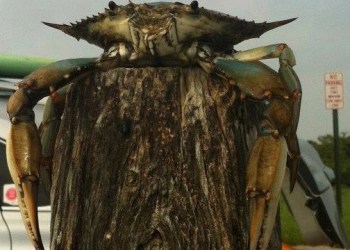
x=319, y=38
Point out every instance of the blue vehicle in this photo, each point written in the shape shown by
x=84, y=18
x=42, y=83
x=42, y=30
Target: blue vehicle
x=312, y=202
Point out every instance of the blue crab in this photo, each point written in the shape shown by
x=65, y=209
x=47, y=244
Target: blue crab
x=167, y=34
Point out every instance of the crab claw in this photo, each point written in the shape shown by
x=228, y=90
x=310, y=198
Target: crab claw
x=265, y=172
x=23, y=147
x=23, y=156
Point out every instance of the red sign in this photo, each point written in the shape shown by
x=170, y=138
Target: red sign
x=10, y=194
x=334, y=90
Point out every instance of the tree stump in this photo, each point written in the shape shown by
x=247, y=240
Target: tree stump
x=152, y=158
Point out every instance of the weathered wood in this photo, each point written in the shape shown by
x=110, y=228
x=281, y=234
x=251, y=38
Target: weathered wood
x=152, y=158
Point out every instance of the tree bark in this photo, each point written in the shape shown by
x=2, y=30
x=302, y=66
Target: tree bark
x=152, y=158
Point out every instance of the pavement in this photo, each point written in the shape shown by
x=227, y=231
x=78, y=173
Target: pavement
x=16, y=236
x=316, y=248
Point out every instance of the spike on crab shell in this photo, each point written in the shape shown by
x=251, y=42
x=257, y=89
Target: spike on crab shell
x=131, y=3
x=54, y=25
x=280, y=23
x=63, y=27
x=260, y=28
x=101, y=14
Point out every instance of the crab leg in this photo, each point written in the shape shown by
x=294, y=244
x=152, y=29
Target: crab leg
x=48, y=132
x=266, y=163
x=23, y=156
x=265, y=172
x=23, y=148
x=292, y=83
x=259, y=81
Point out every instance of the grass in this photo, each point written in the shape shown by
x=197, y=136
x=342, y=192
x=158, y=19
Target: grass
x=290, y=229
x=346, y=209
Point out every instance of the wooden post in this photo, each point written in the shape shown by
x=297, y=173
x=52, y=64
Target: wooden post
x=152, y=158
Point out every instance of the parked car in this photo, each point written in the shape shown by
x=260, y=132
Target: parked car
x=312, y=203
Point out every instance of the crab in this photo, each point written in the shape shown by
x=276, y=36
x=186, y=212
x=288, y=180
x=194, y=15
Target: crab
x=167, y=34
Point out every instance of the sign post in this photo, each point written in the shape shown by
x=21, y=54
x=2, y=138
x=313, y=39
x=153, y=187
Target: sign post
x=334, y=97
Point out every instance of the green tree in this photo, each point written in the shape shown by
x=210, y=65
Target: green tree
x=325, y=147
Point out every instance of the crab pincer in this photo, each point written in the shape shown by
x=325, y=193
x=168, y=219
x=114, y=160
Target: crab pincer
x=23, y=146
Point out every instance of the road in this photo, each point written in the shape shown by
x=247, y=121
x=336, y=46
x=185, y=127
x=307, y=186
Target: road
x=20, y=241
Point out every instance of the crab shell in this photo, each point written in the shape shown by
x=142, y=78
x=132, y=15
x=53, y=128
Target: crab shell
x=173, y=24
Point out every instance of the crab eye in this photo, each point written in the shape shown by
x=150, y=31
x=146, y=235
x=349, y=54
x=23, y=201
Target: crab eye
x=112, y=5
x=194, y=5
